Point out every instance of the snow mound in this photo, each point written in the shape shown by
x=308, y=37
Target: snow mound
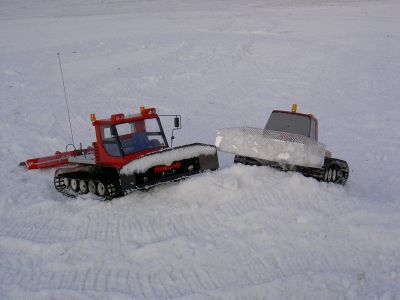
x=166, y=157
x=288, y=148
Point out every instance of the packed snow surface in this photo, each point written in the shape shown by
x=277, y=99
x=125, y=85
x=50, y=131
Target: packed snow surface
x=283, y=147
x=167, y=157
x=240, y=232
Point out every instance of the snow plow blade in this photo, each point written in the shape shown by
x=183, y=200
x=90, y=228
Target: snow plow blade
x=168, y=165
x=270, y=145
x=58, y=159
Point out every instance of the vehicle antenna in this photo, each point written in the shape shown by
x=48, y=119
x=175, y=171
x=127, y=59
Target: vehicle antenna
x=66, y=99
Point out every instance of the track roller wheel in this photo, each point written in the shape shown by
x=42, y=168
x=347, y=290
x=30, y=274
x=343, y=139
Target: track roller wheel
x=83, y=187
x=66, y=182
x=74, y=185
x=106, y=190
x=101, y=189
x=92, y=187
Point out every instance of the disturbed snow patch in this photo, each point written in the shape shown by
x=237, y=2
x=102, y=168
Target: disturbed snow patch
x=284, y=147
x=166, y=157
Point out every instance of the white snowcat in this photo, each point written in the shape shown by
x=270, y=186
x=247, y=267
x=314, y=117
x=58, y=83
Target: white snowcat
x=289, y=142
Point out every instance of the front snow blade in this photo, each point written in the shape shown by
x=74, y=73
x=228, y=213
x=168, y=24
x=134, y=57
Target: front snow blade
x=270, y=145
x=168, y=165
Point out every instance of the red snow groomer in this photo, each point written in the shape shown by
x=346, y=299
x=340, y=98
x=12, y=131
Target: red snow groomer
x=289, y=142
x=131, y=152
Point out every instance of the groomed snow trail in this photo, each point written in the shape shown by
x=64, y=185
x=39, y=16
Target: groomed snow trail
x=240, y=232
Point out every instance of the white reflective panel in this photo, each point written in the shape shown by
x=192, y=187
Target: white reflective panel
x=125, y=128
x=152, y=125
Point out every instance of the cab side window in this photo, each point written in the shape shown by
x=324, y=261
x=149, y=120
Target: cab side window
x=110, y=141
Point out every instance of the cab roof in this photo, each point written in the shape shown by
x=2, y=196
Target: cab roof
x=145, y=113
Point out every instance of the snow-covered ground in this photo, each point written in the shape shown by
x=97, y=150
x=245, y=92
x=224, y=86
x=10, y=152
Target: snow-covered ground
x=238, y=233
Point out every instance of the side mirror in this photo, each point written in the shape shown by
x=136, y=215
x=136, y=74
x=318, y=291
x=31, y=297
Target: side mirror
x=176, y=122
x=177, y=126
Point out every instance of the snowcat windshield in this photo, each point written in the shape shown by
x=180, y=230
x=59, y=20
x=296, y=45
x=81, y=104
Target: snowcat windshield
x=132, y=137
x=292, y=123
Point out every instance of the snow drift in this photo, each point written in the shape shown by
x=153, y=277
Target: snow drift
x=288, y=148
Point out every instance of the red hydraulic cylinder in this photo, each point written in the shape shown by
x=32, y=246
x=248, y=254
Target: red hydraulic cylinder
x=58, y=159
